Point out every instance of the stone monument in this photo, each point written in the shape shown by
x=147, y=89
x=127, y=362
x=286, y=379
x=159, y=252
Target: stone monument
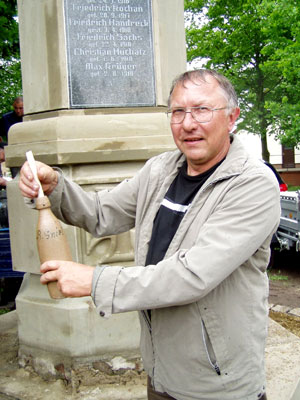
x=96, y=77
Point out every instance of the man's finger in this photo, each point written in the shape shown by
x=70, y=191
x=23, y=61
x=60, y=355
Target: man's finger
x=49, y=276
x=49, y=266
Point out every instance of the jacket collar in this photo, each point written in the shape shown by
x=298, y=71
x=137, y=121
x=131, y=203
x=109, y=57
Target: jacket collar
x=235, y=160
x=232, y=165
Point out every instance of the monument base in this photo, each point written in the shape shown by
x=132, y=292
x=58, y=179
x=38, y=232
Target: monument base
x=90, y=136
x=66, y=338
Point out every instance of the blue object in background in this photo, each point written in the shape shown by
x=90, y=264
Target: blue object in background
x=6, y=270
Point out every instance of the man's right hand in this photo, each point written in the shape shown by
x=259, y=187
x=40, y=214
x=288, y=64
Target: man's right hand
x=2, y=181
x=47, y=176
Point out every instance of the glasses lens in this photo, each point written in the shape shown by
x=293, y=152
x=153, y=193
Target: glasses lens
x=177, y=116
x=202, y=114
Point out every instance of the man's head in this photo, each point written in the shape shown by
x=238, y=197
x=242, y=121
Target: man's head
x=203, y=109
x=18, y=106
x=2, y=153
x=201, y=75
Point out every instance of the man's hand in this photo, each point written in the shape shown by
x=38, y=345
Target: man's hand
x=2, y=181
x=73, y=279
x=47, y=176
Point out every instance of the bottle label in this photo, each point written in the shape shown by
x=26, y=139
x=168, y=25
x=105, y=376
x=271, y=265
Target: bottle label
x=48, y=234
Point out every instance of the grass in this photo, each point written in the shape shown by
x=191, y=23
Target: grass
x=4, y=310
x=293, y=188
x=277, y=277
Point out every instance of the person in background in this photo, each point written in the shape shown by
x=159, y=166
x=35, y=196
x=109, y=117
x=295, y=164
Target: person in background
x=5, y=173
x=204, y=216
x=11, y=118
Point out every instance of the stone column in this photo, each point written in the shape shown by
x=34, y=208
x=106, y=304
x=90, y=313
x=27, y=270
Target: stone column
x=96, y=76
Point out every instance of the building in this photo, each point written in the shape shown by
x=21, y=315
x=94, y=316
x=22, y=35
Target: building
x=285, y=159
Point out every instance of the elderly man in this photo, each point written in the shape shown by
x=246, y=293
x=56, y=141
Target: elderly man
x=204, y=217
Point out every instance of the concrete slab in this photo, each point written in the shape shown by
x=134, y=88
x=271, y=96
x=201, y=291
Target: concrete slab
x=295, y=311
x=283, y=309
x=282, y=363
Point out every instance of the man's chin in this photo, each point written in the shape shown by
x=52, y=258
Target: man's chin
x=196, y=157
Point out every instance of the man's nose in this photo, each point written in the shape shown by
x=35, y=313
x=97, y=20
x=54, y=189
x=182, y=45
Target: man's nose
x=189, y=121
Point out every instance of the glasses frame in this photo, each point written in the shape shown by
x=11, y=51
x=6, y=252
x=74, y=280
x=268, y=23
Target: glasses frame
x=170, y=111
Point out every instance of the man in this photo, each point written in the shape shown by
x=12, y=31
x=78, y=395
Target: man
x=5, y=173
x=11, y=117
x=4, y=177
x=204, y=217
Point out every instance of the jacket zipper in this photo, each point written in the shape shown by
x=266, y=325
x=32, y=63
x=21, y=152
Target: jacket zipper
x=148, y=322
x=213, y=364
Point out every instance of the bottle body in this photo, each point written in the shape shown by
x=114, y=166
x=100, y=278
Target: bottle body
x=51, y=240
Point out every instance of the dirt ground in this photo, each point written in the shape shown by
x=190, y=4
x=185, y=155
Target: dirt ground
x=284, y=290
x=285, y=280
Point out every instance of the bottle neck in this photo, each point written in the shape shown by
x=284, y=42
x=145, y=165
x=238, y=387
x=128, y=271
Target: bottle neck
x=42, y=202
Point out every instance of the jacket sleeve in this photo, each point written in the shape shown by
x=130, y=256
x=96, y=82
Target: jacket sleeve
x=241, y=225
x=103, y=213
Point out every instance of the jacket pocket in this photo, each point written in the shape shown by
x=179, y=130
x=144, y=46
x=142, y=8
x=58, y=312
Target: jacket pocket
x=209, y=349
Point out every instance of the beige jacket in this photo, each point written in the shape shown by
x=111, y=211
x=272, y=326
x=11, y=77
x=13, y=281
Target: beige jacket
x=209, y=296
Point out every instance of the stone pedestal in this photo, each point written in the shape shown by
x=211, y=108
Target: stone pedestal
x=97, y=146
x=73, y=333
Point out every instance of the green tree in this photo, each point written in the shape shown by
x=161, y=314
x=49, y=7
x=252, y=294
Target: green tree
x=10, y=66
x=244, y=40
x=283, y=54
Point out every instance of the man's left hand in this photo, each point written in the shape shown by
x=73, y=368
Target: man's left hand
x=73, y=279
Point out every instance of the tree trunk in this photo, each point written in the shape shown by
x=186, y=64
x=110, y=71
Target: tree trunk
x=262, y=112
x=264, y=148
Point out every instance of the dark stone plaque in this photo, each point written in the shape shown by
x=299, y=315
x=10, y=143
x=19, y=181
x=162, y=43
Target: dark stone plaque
x=110, y=53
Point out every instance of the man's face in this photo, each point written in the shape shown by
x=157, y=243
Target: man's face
x=18, y=108
x=203, y=144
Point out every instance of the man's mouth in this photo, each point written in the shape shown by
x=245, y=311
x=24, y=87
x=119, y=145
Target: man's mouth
x=193, y=140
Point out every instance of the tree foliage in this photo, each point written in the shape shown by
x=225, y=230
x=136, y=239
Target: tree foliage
x=9, y=36
x=10, y=84
x=255, y=43
x=10, y=66
x=283, y=54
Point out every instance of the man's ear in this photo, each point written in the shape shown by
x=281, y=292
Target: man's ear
x=233, y=116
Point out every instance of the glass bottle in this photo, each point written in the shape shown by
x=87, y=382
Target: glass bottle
x=51, y=240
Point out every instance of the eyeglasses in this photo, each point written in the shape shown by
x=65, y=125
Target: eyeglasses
x=200, y=114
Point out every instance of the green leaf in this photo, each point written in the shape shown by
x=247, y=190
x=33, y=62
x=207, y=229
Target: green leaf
x=256, y=44
x=10, y=65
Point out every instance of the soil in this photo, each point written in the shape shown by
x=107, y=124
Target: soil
x=284, y=277
x=284, y=274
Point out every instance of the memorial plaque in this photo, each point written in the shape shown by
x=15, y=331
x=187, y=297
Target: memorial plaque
x=110, y=53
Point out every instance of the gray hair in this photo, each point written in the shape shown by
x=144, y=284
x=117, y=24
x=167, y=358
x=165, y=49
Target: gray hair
x=200, y=75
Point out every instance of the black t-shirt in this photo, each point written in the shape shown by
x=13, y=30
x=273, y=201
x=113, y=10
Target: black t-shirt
x=172, y=210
